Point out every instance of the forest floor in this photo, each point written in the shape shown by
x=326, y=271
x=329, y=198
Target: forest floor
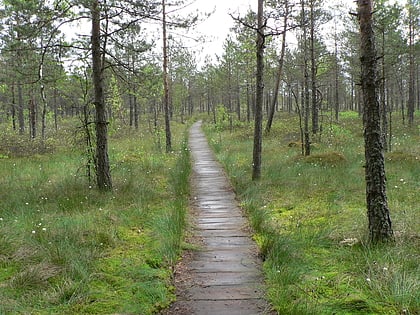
x=224, y=276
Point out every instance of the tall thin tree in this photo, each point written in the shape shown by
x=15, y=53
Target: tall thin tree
x=103, y=173
x=279, y=68
x=380, y=229
x=165, y=81
x=257, y=151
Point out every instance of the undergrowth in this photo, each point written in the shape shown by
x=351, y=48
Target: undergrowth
x=66, y=248
x=309, y=218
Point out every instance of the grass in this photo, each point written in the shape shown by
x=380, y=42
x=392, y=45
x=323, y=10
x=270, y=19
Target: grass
x=66, y=248
x=309, y=218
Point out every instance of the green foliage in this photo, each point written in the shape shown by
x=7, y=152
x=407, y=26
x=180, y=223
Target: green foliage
x=222, y=118
x=66, y=248
x=309, y=219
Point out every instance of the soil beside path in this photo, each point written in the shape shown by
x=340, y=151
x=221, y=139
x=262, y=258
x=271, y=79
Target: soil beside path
x=224, y=276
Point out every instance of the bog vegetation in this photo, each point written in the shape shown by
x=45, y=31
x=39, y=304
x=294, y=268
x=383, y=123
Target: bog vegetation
x=94, y=164
x=309, y=218
x=66, y=248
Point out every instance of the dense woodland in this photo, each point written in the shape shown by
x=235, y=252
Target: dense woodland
x=81, y=73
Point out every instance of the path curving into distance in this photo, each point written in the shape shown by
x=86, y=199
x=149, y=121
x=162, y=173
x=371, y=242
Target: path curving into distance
x=223, y=277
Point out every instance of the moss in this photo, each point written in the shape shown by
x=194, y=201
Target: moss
x=326, y=159
x=401, y=156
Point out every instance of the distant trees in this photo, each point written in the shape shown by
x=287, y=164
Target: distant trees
x=314, y=70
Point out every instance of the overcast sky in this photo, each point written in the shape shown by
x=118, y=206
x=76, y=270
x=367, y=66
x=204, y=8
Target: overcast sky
x=217, y=26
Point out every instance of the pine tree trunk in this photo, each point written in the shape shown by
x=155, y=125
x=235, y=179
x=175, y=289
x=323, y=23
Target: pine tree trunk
x=103, y=173
x=166, y=83
x=377, y=204
x=32, y=118
x=21, y=116
x=411, y=80
x=279, y=71
x=257, y=151
x=314, y=102
x=13, y=107
x=305, y=98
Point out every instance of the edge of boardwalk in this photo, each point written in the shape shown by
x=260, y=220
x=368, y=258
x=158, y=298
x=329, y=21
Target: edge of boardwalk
x=224, y=277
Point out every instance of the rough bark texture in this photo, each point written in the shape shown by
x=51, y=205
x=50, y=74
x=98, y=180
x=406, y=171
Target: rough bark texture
x=256, y=171
x=103, y=174
x=377, y=205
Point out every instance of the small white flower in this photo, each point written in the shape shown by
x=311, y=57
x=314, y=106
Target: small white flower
x=1, y=219
x=33, y=232
x=44, y=229
x=368, y=280
x=26, y=203
x=385, y=269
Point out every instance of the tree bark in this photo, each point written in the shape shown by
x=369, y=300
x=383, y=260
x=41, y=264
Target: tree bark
x=165, y=82
x=305, y=98
x=32, y=117
x=103, y=174
x=411, y=80
x=21, y=115
x=384, y=105
x=279, y=71
x=314, y=101
x=380, y=229
x=257, y=151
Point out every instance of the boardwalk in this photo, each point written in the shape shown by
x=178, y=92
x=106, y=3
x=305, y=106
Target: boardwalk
x=224, y=277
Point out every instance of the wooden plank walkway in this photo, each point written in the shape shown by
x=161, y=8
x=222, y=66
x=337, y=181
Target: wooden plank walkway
x=224, y=277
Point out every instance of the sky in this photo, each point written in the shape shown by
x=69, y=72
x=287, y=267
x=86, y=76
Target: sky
x=217, y=26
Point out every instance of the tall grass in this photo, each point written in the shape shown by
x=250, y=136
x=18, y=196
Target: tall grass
x=66, y=248
x=309, y=218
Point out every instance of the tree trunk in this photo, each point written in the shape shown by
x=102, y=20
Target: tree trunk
x=103, y=174
x=314, y=102
x=305, y=99
x=44, y=110
x=257, y=151
x=131, y=109
x=384, y=107
x=279, y=71
x=13, y=107
x=21, y=116
x=165, y=82
x=336, y=95
x=32, y=117
x=411, y=80
x=136, y=112
x=377, y=204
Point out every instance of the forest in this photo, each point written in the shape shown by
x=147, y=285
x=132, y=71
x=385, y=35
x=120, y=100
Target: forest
x=313, y=110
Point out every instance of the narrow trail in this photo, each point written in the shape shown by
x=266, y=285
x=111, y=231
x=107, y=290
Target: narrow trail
x=224, y=276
